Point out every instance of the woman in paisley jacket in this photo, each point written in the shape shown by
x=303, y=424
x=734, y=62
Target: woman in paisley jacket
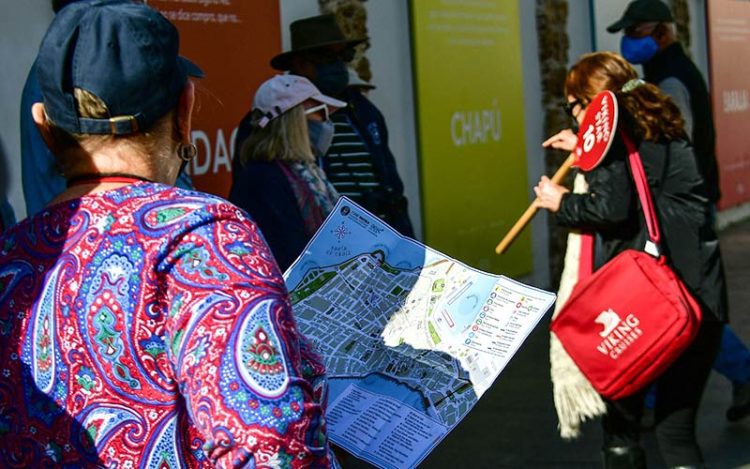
x=609, y=207
x=142, y=324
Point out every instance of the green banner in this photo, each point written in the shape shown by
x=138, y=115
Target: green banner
x=470, y=115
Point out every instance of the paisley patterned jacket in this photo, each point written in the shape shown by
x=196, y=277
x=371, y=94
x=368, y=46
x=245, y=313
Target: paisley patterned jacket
x=149, y=326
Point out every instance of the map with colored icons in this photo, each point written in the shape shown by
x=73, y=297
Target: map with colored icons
x=411, y=337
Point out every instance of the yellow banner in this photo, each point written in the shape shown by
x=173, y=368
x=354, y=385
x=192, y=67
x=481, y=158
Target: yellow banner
x=471, y=135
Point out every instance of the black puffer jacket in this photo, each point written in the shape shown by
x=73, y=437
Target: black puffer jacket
x=611, y=209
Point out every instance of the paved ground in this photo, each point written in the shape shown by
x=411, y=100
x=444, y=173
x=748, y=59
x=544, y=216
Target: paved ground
x=514, y=424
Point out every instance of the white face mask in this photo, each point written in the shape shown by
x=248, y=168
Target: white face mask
x=321, y=136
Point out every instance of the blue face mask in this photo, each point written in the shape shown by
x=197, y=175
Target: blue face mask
x=638, y=51
x=321, y=136
x=331, y=78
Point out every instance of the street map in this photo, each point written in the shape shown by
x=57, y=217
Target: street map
x=411, y=338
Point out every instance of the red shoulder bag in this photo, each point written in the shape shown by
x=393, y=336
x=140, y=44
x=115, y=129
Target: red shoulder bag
x=627, y=322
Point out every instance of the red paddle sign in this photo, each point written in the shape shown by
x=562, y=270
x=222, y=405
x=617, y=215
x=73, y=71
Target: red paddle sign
x=597, y=131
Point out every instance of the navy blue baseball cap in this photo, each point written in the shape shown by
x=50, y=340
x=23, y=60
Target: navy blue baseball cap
x=122, y=51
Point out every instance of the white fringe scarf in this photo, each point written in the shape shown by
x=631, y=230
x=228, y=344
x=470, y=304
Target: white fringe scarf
x=575, y=399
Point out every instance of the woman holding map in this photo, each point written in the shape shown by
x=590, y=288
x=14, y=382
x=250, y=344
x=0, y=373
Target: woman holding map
x=143, y=325
x=605, y=201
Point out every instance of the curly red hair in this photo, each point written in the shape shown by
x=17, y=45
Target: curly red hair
x=652, y=114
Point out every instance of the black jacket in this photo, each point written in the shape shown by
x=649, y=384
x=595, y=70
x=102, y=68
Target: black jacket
x=673, y=63
x=611, y=209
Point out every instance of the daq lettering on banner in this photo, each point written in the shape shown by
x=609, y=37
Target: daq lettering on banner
x=232, y=41
x=729, y=41
x=469, y=88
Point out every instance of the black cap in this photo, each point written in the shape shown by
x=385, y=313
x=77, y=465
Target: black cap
x=642, y=11
x=124, y=52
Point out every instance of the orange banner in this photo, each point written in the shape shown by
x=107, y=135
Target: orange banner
x=729, y=41
x=232, y=41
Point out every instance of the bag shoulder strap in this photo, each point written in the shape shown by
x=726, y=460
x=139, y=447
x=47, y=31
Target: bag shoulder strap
x=644, y=195
x=586, y=259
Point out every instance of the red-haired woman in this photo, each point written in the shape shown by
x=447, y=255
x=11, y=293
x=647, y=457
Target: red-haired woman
x=609, y=207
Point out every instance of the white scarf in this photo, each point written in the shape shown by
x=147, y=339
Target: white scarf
x=575, y=399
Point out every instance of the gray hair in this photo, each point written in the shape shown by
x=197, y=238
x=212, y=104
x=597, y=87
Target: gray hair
x=156, y=144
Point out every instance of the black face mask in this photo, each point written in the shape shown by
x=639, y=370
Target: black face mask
x=331, y=78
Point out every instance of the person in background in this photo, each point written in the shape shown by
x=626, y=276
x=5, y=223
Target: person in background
x=277, y=179
x=733, y=362
x=143, y=325
x=7, y=215
x=649, y=39
x=609, y=207
x=359, y=163
x=41, y=178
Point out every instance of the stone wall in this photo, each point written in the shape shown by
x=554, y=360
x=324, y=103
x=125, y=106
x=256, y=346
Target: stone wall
x=552, y=34
x=681, y=14
x=351, y=16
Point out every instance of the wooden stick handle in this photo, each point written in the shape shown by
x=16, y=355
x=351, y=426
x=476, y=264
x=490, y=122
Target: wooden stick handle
x=531, y=211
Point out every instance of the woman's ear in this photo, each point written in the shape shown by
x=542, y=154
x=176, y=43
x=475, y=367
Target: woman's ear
x=43, y=124
x=185, y=111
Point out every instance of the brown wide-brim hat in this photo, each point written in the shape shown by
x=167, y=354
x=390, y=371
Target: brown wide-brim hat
x=312, y=33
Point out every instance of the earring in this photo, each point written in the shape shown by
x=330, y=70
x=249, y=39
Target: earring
x=186, y=151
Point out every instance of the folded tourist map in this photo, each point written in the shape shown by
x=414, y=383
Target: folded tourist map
x=411, y=338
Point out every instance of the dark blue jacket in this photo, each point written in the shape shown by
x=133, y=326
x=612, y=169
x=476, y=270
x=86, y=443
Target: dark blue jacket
x=263, y=190
x=41, y=180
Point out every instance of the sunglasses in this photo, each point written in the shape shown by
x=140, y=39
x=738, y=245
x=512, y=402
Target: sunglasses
x=318, y=108
x=569, y=106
